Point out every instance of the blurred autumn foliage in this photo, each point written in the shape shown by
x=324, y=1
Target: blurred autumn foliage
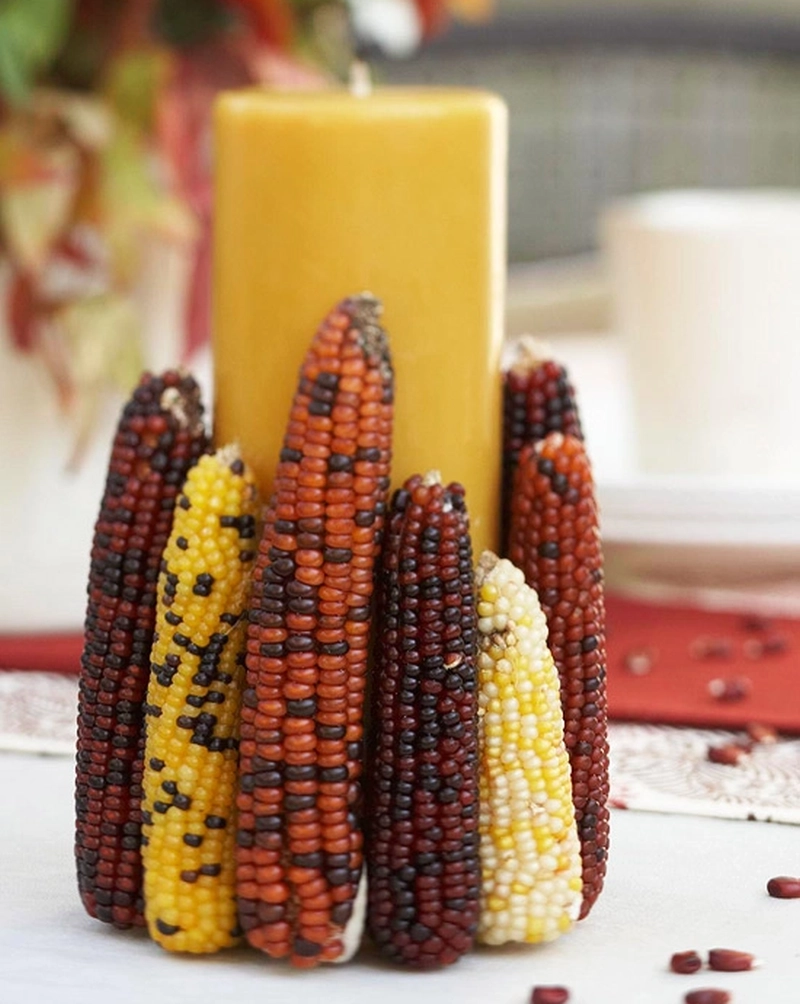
x=104, y=149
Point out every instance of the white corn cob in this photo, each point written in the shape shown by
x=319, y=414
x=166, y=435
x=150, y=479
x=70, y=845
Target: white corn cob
x=530, y=853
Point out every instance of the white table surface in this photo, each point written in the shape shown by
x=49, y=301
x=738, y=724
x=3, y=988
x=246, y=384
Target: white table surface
x=674, y=883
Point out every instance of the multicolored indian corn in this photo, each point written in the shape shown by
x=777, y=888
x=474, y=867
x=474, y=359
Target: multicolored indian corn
x=538, y=399
x=555, y=540
x=299, y=859
x=192, y=710
x=424, y=871
x=530, y=854
x=159, y=437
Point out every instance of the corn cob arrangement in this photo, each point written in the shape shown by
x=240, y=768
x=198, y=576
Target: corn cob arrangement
x=160, y=436
x=300, y=855
x=555, y=540
x=424, y=867
x=223, y=685
x=538, y=398
x=192, y=710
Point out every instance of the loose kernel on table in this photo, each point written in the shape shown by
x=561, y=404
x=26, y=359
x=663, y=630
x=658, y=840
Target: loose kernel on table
x=640, y=661
x=784, y=887
x=754, y=624
x=730, y=754
x=707, y=995
x=761, y=734
x=727, y=960
x=757, y=648
x=685, y=962
x=711, y=648
x=735, y=688
x=549, y=995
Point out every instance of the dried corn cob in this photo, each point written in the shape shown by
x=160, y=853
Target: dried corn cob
x=300, y=845
x=192, y=710
x=160, y=436
x=538, y=399
x=555, y=540
x=424, y=872
x=530, y=854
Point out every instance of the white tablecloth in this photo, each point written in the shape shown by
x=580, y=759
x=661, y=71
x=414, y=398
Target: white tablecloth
x=674, y=883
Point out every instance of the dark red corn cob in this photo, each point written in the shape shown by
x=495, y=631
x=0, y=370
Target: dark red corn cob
x=299, y=856
x=159, y=437
x=555, y=540
x=538, y=399
x=424, y=870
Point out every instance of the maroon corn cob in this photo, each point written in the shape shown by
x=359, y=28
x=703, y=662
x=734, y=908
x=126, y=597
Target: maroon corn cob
x=159, y=437
x=555, y=540
x=299, y=856
x=538, y=399
x=424, y=869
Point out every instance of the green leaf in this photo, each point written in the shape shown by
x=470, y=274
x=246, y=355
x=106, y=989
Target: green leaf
x=31, y=33
x=134, y=81
x=189, y=22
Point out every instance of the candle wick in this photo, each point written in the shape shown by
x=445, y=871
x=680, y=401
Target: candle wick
x=360, y=79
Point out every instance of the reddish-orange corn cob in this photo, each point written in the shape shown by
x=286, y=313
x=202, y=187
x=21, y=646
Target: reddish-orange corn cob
x=299, y=841
x=424, y=870
x=538, y=399
x=555, y=540
x=159, y=437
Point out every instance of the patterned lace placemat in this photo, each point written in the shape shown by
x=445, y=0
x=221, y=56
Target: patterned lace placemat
x=38, y=712
x=655, y=768
x=665, y=768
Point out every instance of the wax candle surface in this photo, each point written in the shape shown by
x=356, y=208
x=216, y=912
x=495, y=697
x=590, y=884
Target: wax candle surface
x=400, y=193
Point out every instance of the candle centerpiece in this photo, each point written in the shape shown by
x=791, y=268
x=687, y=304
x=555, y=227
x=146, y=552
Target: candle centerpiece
x=397, y=191
x=482, y=816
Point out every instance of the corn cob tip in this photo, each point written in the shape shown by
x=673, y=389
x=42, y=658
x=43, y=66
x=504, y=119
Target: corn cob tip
x=527, y=352
x=181, y=398
x=483, y=569
x=229, y=455
x=365, y=311
x=354, y=928
x=432, y=478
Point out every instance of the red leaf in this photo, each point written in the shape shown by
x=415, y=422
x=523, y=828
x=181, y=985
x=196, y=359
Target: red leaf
x=21, y=306
x=273, y=20
x=433, y=14
x=198, y=301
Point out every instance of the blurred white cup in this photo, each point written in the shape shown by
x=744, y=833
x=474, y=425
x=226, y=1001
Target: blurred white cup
x=706, y=292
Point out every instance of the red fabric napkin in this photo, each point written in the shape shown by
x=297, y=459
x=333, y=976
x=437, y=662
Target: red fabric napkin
x=679, y=642
x=57, y=653
x=688, y=648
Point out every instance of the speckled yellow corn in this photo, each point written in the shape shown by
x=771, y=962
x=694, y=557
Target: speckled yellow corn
x=192, y=710
x=530, y=853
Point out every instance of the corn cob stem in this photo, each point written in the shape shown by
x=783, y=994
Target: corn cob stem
x=300, y=846
x=160, y=435
x=423, y=844
x=530, y=854
x=192, y=710
x=555, y=540
x=538, y=399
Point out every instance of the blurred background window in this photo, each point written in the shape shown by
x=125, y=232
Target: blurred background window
x=611, y=98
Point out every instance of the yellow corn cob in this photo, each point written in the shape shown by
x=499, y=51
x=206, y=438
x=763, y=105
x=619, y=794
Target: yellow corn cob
x=530, y=853
x=192, y=711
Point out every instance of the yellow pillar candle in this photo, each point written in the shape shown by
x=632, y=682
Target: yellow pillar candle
x=401, y=192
